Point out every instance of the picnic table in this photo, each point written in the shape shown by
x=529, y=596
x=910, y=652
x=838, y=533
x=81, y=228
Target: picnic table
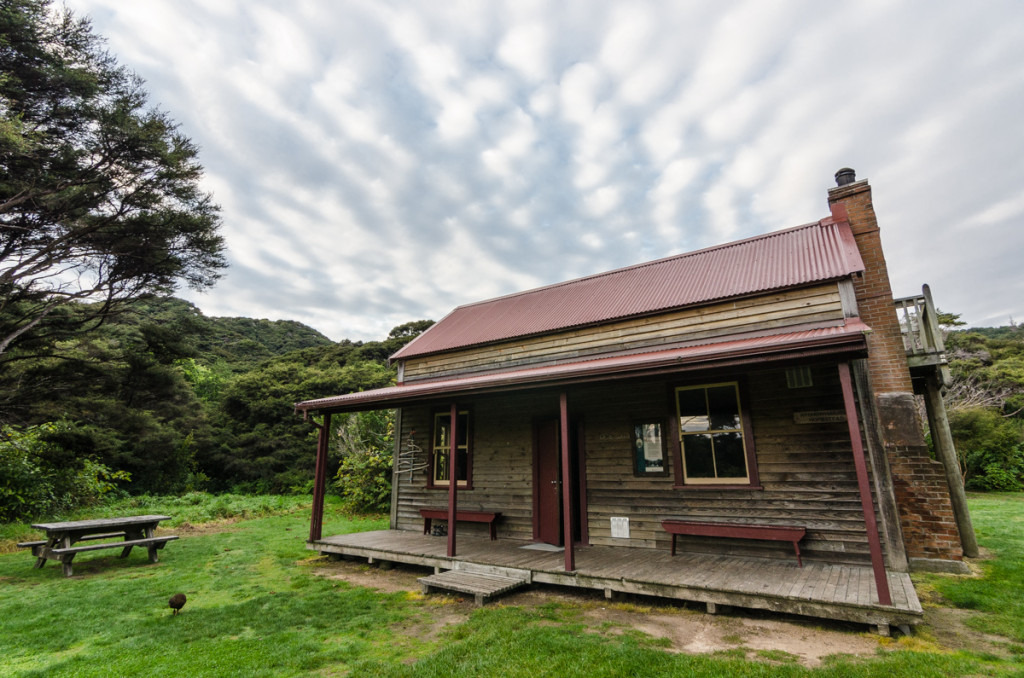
x=61, y=538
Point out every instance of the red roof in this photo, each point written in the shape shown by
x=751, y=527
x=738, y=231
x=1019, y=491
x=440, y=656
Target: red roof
x=816, y=252
x=818, y=340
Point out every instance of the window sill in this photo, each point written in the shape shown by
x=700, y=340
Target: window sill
x=710, y=487
x=461, y=488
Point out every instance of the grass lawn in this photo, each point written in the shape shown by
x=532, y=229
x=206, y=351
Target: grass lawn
x=257, y=606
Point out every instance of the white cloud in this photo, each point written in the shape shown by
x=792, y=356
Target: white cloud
x=359, y=148
x=525, y=47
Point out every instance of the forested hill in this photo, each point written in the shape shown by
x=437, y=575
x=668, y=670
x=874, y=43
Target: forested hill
x=177, y=400
x=239, y=342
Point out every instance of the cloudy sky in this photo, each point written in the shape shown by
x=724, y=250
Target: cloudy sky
x=379, y=162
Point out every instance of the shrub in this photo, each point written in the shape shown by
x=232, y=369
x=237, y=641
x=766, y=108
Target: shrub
x=364, y=476
x=38, y=477
x=990, y=447
x=365, y=481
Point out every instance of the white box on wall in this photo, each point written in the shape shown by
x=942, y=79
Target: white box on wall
x=620, y=528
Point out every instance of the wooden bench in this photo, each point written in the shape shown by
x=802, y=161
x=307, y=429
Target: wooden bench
x=65, y=540
x=489, y=517
x=790, y=533
x=67, y=554
x=149, y=542
x=42, y=542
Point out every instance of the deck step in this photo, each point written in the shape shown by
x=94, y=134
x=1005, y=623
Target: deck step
x=481, y=586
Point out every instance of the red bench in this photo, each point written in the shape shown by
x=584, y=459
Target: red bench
x=488, y=517
x=691, y=528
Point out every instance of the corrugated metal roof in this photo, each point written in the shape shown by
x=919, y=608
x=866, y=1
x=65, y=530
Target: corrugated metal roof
x=820, y=251
x=845, y=337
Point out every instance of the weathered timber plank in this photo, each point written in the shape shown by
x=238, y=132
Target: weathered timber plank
x=671, y=580
x=789, y=308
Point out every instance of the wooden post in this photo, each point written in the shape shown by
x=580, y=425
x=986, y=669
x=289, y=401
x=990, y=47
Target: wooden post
x=320, y=479
x=567, y=513
x=453, y=482
x=395, y=455
x=946, y=452
x=874, y=543
x=891, y=530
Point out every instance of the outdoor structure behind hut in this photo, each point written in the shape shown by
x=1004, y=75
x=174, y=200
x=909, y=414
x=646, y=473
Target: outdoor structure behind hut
x=733, y=426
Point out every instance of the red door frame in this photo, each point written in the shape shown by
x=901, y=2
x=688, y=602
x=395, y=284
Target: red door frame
x=551, y=529
x=563, y=452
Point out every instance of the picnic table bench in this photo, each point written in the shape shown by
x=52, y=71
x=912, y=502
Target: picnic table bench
x=489, y=517
x=61, y=538
x=790, y=533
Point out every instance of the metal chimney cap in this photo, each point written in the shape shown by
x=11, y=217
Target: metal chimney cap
x=845, y=176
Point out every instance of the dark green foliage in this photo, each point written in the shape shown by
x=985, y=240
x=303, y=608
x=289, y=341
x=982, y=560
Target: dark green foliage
x=38, y=476
x=262, y=444
x=140, y=394
x=366, y=443
x=130, y=406
x=991, y=449
x=243, y=343
x=410, y=330
x=985, y=406
x=100, y=208
x=99, y=195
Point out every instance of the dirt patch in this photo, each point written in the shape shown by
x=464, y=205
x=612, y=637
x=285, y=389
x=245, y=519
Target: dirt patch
x=695, y=632
x=398, y=577
x=211, y=527
x=680, y=627
x=948, y=627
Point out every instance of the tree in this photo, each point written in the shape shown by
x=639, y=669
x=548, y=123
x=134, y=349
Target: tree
x=100, y=202
x=410, y=330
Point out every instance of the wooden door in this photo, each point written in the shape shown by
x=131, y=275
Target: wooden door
x=548, y=483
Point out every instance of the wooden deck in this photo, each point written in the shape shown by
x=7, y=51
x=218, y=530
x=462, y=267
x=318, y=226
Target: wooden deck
x=820, y=590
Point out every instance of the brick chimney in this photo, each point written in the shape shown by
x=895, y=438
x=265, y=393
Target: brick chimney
x=851, y=201
x=930, y=533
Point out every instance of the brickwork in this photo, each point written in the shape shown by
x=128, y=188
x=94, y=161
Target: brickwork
x=929, y=527
x=919, y=483
x=888, y=364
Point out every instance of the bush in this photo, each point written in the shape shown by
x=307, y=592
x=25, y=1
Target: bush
x=38, y=477
x=991, y=449
x=364, y=477
x=365, y=481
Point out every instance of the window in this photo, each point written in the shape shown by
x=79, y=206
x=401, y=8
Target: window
x=439, y=449
x=649, y=456
x=714, y=444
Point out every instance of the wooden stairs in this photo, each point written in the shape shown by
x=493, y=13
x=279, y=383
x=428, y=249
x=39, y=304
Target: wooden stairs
x=481, y=585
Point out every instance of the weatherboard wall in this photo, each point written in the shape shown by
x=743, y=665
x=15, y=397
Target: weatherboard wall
x=806, y=469
x=766, y=313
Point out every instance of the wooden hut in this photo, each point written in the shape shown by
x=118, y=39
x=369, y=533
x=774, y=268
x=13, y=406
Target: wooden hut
x=733, y=426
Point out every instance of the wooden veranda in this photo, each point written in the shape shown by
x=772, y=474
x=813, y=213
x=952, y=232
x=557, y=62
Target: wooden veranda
x=828, y=591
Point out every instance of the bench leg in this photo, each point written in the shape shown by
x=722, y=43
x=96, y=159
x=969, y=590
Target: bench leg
x=152, y=553
x=65, y=563
x=125, y=551
x=796, y=547
x=426, y=526
x=40, y=552
x=494, y=531
x=673, y=543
